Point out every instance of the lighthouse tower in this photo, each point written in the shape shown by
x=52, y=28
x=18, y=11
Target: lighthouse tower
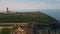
x=7, y=10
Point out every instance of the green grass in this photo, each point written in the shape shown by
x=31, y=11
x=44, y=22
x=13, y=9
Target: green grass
x=27, y=17
x=5, y=31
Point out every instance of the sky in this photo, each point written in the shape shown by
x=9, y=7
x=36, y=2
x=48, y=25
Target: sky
x=29, y=4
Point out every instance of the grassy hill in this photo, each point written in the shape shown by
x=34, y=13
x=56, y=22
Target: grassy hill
x=37, y=17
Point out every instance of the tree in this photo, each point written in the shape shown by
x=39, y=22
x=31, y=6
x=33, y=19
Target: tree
x=5, y=31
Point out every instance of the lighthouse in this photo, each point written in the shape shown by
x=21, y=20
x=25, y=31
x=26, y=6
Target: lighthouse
x=7, y=10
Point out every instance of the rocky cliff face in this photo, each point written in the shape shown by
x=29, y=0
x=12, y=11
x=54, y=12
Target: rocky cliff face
x=32, y=18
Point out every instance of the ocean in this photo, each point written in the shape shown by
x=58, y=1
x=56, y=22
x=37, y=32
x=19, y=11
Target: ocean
x=53, y=13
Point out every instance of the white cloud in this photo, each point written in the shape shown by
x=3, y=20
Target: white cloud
x=34, y=5
x=41, y=5
x=57, y=0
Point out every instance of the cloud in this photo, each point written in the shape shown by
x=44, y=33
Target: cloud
x=57, y=0
x=41, y=5
x=27, y=6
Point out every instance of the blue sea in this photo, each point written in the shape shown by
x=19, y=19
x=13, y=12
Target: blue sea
x=53, y=13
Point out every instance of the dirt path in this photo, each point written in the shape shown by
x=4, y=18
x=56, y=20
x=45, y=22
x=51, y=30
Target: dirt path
x=10, y=23
x=13, y=23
